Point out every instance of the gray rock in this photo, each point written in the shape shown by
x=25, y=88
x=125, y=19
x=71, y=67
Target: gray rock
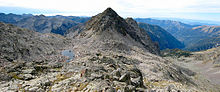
x=96, y=76
x=5, y=77
x=26, y=76
x=33, y=89
x=40, y=90
x=116, y=73
x=116, y=78
x=110, y=89
x=137, y=82
x=141, y=90
x=125, y=78
x=28, y=71
x=130, y=88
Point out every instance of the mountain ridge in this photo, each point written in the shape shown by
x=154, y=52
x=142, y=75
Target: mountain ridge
x=109, y=25
x=189, y=35
x=164, y=39
x=54, y=24
x=194, y=37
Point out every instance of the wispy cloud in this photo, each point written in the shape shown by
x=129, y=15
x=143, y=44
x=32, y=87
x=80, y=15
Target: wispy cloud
x=131, y=8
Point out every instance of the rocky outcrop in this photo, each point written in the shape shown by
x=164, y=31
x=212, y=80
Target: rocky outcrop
x=108, y=27
x=18, y=43
x=25, y=55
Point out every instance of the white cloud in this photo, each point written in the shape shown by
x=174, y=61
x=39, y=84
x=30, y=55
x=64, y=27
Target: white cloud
x=132, y=8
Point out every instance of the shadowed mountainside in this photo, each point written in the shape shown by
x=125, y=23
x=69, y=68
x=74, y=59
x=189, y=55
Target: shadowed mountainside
x=194, y=37
x=158, y=34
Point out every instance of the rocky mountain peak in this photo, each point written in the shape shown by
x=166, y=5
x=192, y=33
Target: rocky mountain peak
x=108, y=27
x=107, y=20
x=129, y=19
x=132, y=22
x=109, y=12
x=40, y=16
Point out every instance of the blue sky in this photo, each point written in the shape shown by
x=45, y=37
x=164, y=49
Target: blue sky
x=189, y=9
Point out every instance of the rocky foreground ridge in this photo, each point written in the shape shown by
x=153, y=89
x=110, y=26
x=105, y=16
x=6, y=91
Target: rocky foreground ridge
x=111, y=54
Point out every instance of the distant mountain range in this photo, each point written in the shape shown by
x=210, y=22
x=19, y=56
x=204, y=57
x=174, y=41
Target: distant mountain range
x=191, y=21
x=67, y=24
x=39, y=23
x=175, y=28
x=168, y=34
x=194, y=37
x=158, y=34
x=208, y=37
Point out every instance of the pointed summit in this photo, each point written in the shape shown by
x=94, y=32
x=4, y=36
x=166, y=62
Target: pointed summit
x=107, y=20
x=109, y=9
x=110, y=12
x=108, y=30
